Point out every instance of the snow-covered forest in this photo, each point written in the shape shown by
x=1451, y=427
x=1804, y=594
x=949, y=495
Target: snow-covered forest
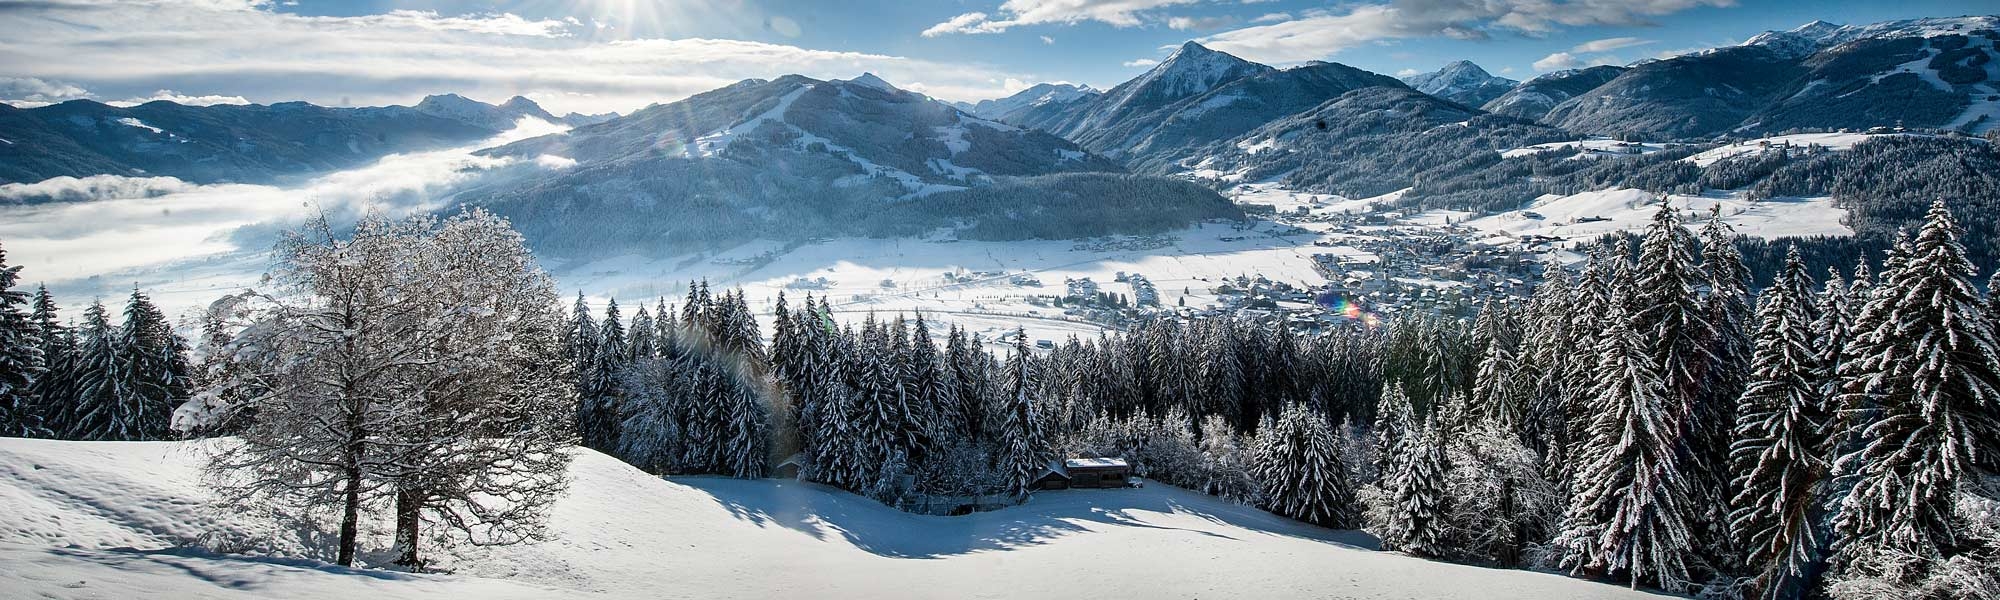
x=1647, y=419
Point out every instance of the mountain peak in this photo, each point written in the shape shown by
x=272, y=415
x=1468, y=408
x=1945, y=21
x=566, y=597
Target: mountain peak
x=521, y=103
x=870, y=80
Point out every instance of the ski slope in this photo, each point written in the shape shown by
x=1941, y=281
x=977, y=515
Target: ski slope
x=125, y=520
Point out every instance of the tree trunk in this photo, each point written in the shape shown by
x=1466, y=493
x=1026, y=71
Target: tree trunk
x=350, y=520
x=409, y=505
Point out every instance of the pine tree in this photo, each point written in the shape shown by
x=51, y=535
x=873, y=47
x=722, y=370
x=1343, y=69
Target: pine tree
x=149, y=377
x=21, y=359
x=54, y=392
x=1298, y=459
x=1498, y=391
x=1395, y=419
x=581, y=341
x=645, y=343
x=1931, y=379
x=1630, y=518
x=1417, y=519
x=600, y=405
x=1670, y=315
x=94, y=413
x=1778, y=454
x=1023, y=450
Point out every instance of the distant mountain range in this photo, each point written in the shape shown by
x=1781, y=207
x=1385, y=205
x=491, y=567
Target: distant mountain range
x=797, y=157
x=240, y=143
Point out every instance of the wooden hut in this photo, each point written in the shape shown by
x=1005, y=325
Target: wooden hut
x=1086, y=473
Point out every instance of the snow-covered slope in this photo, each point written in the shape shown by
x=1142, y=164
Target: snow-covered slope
x=1461, y=82
x=119, y=520
x=1591, y=214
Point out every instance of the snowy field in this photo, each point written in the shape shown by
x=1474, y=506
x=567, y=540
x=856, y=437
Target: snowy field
x=1591, y=214
x=132, y=519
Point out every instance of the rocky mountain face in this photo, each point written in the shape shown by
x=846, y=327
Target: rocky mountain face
x=208, y=144
x=1462, y=82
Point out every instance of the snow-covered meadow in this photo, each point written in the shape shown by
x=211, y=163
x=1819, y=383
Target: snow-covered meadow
x=133, y=519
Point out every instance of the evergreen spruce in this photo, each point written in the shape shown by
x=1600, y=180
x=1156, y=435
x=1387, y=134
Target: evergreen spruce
x=1298, y=459
x=21, y=359
x=1630, y=517
x=1419, y=499
x=1930, y=377
x=1778, y=457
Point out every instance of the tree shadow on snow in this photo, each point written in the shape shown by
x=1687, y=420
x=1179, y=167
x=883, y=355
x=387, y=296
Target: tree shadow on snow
x=819, y=511
x=223, y=570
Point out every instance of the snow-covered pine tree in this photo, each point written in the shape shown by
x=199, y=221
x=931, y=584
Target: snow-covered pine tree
x=94, y=414
x=1670, y=316
x=600, y=408
x=21, y=360
x=1419, y=499
x=1499, y=389
x=1831, y=330
x=1395, y=419
x=580, y=339
x=1778, y=456
x=1023, y=450
x=749, y=436
x=1629, y=517
x=53, y=392
x=149, y=379
x=927, y=391
x=645, y=345
x=1298, y=460
x=836, y=457
x=1931, y=378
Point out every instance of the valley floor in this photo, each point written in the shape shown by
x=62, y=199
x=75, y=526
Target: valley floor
x=127, y=520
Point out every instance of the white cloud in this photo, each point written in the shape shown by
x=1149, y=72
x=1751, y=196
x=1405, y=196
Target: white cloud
x=1569, y=60
x=231, y=50
x=1141, y=62
x=1609, y=44
x=31, y=91
x=1558, y=61
x=1319, y=35
x=1048, y=40
x=1275, y=17
x=1408, y=72
x=1015, y=13
x=1200, y=23
x=179, y=98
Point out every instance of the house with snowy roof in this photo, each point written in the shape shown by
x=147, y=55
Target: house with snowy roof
x=1084, y=473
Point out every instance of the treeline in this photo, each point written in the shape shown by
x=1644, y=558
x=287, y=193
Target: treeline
x=1635, y=420
x=88, y=381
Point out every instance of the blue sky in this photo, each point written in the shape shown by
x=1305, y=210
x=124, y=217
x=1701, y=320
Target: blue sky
x=594, y=55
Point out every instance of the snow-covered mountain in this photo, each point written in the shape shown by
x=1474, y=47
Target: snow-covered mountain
x=1192, y=70
x=790, y=158
x=499, y=117
x=1533, y=98
x=1921, y=73
x=1461, y=82
x=1038, y=96
x=1157, y=121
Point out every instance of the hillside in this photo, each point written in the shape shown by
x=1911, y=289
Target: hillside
x=795, y=158
x=1932, y=73
x=119, y=519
